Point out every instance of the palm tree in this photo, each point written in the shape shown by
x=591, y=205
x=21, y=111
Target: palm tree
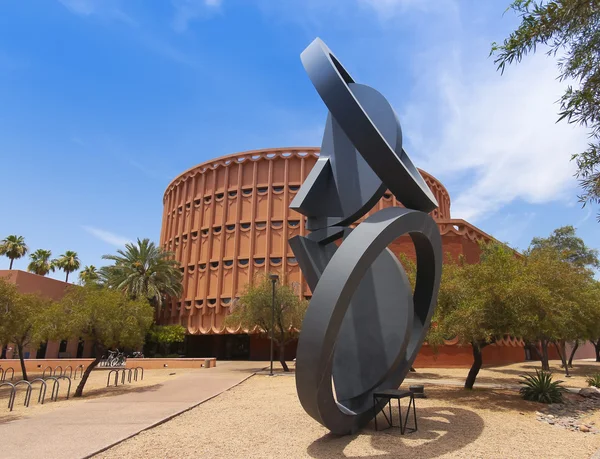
x=144, y=270
x=13, y=247
x=68, y=262
x=40, y=262
x=89, y=275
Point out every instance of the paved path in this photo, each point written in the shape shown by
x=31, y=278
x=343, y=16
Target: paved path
x=85, y=428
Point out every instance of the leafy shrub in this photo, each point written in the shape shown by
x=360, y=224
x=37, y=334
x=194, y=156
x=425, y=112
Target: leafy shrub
x=541, y=388
x=594, y=380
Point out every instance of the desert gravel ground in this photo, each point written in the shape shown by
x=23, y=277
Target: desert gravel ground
x=509, y=374
x=94, y=388
x=263, y=418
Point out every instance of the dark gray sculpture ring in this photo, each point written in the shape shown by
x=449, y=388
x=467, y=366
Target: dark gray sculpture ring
x=331, y=300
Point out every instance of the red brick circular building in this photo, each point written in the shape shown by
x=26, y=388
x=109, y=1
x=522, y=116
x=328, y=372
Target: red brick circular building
x=228, y=220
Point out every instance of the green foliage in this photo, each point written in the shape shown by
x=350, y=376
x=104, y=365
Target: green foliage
x=594, y=380
x=68, y=262
x=570, y=29
x=540, y=388
x=166, y=335
x=558, y=297
x=570, y=247
x=104, y=316
x=40, y=262
x=253, y=310
x=23, y=318
x=89, y=275
x=13, y=247
x=144, y=270
x=477, y=303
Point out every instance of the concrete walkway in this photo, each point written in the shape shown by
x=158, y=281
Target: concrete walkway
x=87, y=427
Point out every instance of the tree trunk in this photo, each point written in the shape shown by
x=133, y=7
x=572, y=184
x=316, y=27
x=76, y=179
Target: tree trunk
x=533, y=348
x=88, y=370
x=562, y=353
x=545, y=359
x=477, y=362
x=570, y=363
x=597, y=347
x=23, y=369
x=67, y=278
x=11, y=262
x=282, y=357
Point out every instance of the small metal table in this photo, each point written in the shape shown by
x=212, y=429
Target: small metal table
x=396, y=394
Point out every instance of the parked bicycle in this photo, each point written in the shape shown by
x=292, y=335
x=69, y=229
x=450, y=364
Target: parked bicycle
x=137, y=355
x=115, y=359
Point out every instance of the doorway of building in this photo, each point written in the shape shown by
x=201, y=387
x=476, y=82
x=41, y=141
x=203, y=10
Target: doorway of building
x=80, y=345
x=237, y=347
x=41, y=351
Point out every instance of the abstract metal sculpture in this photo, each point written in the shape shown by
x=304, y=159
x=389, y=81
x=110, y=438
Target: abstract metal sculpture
x=364, y=325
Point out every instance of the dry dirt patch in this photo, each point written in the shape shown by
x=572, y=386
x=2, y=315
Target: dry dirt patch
x=263, y=418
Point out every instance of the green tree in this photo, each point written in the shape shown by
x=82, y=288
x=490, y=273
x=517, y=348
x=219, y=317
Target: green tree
x=68, y=262
x=144, y=270
x=22, y=319
x=13, y=247
x=103, y=316
x=89, y=275
x=165, y=335
x=254, y=308
x=554, y=293
x=571, y=247
x=574, y=250
x=591, y=321
x=476, y=303
x=571, y=30
x=40, y=262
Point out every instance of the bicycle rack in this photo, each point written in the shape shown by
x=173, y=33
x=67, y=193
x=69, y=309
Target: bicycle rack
x=70, y=368
x=27, y=392
x=136, y=372
x=4, y=372
x=128, y=372
x=68, y=388
x=55, y=387
x=81, y=374
x=11, y=397
x=49, y=372
x=116, y=372
x=61, y=371
x=42, y=394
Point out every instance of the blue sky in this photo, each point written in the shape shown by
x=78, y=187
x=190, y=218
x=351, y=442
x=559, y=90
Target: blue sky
x=103, y=102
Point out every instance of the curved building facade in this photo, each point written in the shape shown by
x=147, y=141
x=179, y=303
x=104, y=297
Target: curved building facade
x=228, y=220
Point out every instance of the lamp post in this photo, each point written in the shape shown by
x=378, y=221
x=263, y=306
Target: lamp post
x=274, y=278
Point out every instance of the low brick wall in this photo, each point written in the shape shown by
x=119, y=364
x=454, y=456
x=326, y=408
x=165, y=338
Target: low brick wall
x=38, y=365
x=150, y=364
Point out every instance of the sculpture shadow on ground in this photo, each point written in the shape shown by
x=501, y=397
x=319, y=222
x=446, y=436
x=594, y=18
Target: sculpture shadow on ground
x=442, y=430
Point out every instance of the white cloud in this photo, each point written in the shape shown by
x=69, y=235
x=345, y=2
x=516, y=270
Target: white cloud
x=83, y=7
x=386, y=9
x=104, y=8
x=107, y=236
x=493, y=138
x=189, y=10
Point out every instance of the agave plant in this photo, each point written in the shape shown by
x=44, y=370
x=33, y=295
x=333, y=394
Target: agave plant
x=540, y=388
x=594, y=380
